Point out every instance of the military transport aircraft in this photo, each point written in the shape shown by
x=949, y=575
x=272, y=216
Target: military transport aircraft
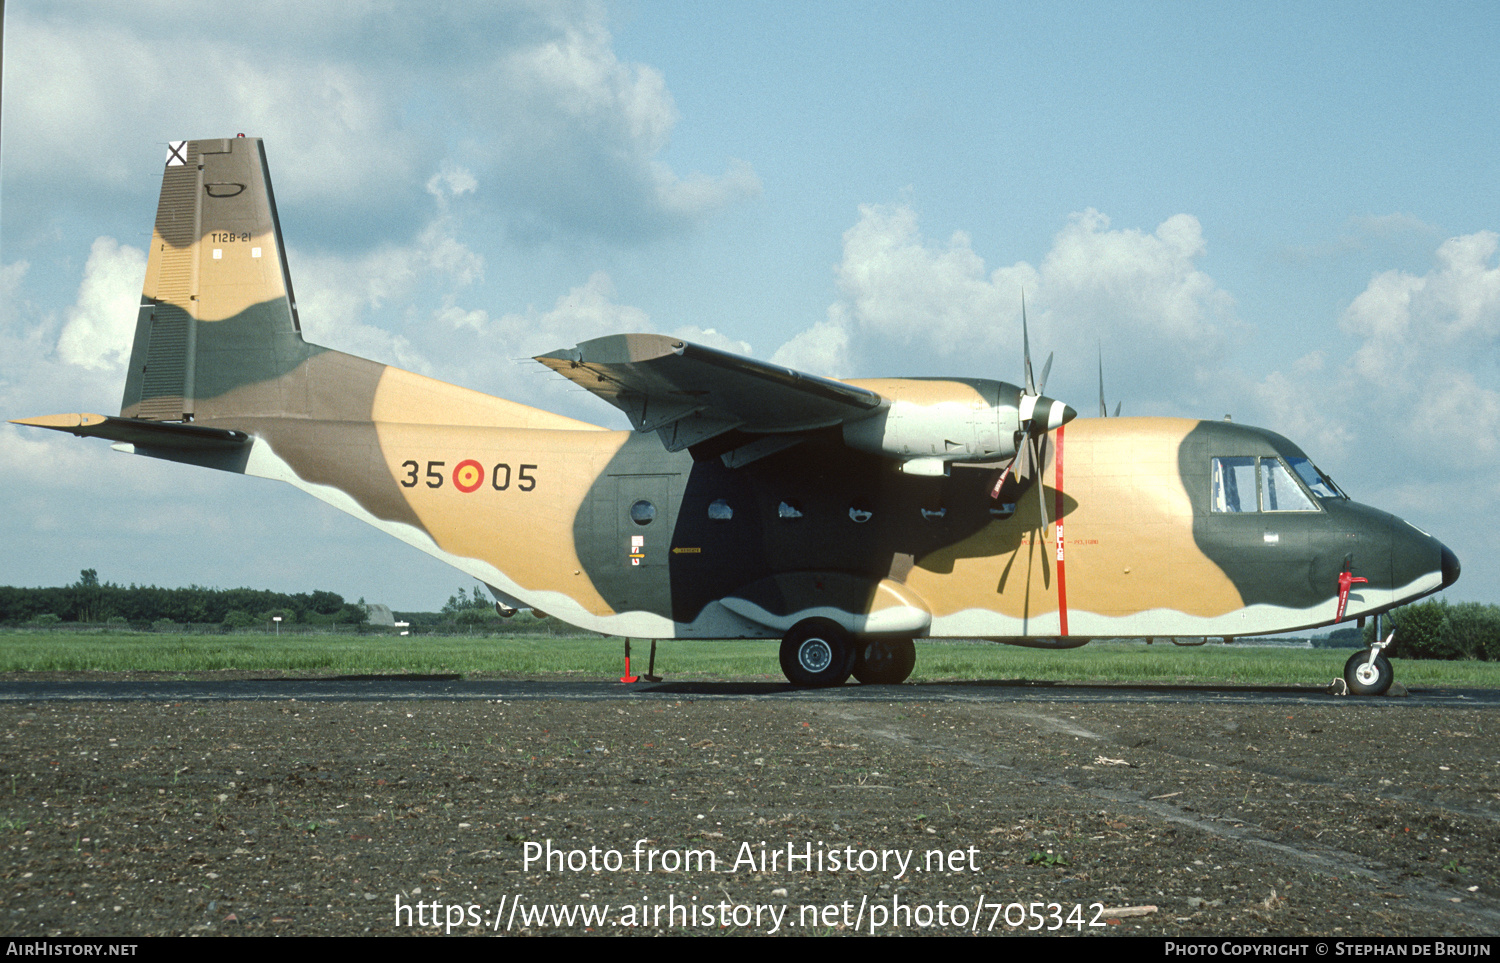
x=751, y=501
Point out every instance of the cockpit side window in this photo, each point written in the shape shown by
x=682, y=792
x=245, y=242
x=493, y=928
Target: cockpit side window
x=1320, y=484
x=1234, y=484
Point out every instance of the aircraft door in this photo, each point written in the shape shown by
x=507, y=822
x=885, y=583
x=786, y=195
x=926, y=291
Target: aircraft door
x=641, y=535
x=643, y=523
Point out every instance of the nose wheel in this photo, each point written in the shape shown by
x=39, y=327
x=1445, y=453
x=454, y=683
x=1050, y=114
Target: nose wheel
x=1368, y=671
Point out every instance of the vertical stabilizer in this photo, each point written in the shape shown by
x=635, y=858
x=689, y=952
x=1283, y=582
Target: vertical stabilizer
x=217, y=311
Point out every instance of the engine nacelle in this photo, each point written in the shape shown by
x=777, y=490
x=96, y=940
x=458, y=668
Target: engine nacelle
x=930, y=423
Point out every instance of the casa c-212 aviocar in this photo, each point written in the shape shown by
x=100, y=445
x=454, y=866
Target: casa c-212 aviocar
x=846, y=518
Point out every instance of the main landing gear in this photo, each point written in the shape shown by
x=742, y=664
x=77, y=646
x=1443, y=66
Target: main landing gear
x=884, y=661
x=819, y=653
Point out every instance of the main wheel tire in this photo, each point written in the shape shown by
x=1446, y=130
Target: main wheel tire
x=1366, y=679
x=817, y=653
x=884, y=661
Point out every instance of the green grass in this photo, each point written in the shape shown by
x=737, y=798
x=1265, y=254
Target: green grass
x=563, y=656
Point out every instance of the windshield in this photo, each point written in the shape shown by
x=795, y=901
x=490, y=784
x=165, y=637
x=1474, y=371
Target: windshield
x=1235, y=488
x=1320, y=484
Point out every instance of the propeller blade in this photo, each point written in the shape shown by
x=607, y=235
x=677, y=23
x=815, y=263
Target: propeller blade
x=1026, y=349
x=1041, y=490
x=1103, y=409
x=1030, y=459
x=1023, y=462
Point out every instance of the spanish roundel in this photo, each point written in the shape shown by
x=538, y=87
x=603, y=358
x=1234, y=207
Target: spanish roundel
x=468, y=475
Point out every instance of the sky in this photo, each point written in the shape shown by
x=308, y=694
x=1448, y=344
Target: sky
x=1282, y=212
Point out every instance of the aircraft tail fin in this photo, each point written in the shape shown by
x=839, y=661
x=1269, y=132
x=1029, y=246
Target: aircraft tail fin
x=217, y=311
x=218, y=340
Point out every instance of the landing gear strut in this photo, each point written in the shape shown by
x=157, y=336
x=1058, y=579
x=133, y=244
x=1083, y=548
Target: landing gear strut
x=1368, y=671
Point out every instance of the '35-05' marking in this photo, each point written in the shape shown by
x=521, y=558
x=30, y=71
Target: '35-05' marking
x=469, y=475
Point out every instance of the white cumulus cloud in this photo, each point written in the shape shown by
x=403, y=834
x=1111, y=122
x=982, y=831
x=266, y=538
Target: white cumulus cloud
x=346, y=302
x=1141, y=291
x=1426, y=349
x=586, y=311
x=100, y=325
x=1142, y=284
x=1405, y=318
x=822, y=349
x=525, y=105
x=11, y=276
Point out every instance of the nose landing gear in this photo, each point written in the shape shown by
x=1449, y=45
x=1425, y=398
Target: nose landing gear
x=1368, y=671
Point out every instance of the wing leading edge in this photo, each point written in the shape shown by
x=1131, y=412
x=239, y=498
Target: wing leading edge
x=689, y=394
x=724, y=404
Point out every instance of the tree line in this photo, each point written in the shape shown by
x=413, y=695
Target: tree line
x=91, y=601
x=1438, y=629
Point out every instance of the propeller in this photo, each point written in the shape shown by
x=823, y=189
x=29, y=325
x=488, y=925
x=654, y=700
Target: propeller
x=1039, y=415
x=1104, y=409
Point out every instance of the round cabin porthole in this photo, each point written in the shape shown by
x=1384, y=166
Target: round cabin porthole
x=642, y=512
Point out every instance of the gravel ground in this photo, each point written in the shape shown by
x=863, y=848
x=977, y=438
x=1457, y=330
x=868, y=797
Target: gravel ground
x=126, y=819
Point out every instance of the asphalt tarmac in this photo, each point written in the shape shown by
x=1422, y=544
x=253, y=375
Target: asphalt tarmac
x=387, y=688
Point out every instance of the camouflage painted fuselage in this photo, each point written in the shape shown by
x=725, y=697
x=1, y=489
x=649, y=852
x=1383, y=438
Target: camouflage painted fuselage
x=553, y=520
x=612, y=531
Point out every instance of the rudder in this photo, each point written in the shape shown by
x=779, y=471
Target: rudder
x=217, y=309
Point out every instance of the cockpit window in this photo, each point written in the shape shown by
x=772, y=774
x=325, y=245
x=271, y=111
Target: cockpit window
x=1234, y=485
x=1320, y=484
x=1245, y=483
x=1279, y=492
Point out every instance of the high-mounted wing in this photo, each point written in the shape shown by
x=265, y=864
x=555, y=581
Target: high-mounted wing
x=742, y=409
x=688, y=393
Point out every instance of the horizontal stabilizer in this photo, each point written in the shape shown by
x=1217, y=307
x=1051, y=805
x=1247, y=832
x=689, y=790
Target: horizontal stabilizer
x=148, y=434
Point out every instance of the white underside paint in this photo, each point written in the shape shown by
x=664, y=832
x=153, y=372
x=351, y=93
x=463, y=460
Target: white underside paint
x=1257, y=619
x=714, y=622
x=895, y=620
x=737, y=618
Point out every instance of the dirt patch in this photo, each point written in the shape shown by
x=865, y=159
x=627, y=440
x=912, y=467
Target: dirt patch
x=325, y=818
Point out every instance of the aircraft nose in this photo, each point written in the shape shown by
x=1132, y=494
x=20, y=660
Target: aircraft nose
x=1450, y=567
